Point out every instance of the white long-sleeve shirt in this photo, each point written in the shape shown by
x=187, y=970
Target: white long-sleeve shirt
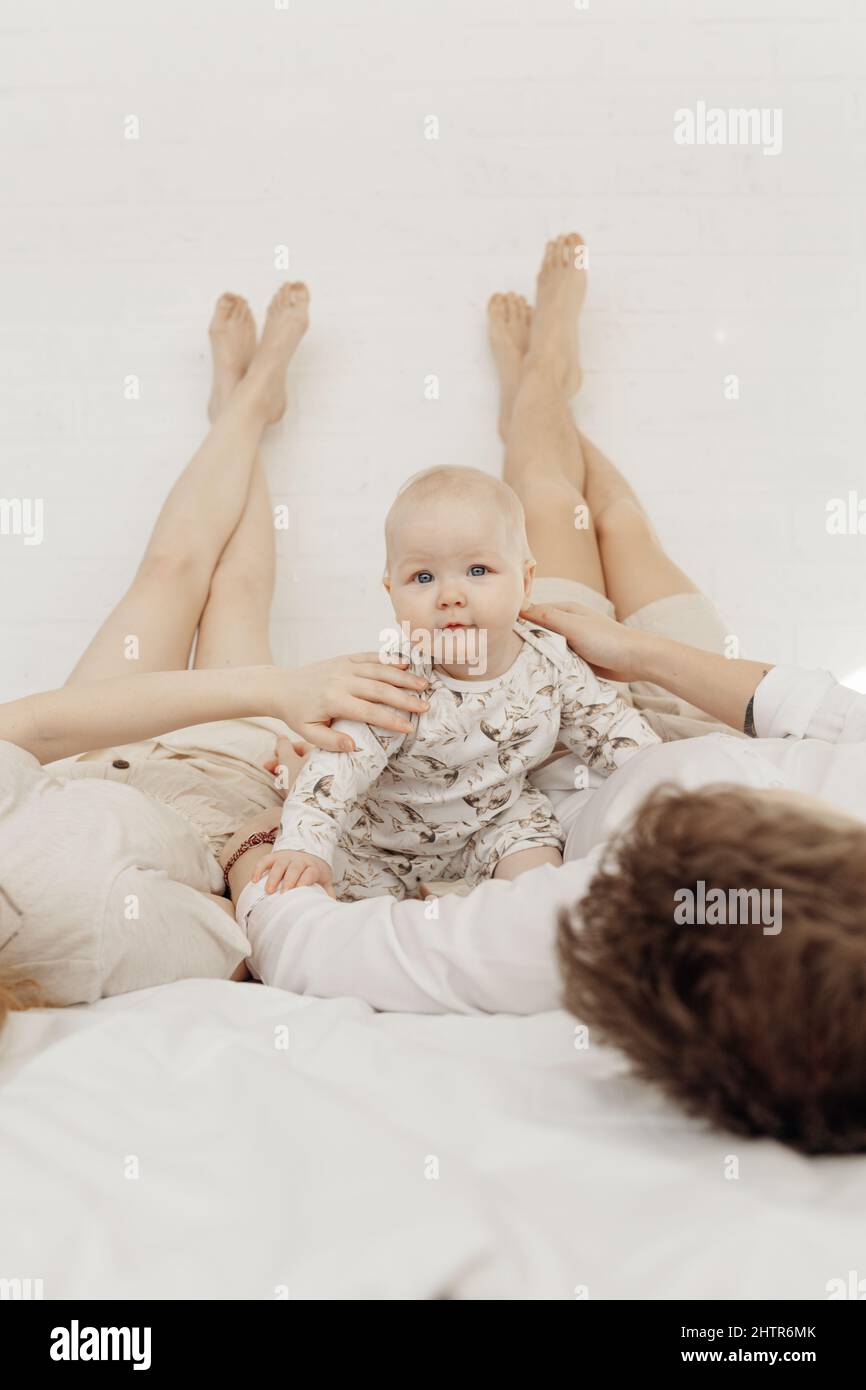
x=420, y=798
x=493, y=951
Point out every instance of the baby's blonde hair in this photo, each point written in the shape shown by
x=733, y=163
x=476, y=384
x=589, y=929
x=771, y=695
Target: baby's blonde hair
x=460, y=484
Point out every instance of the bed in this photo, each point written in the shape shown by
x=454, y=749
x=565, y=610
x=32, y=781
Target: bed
x=210, y=1140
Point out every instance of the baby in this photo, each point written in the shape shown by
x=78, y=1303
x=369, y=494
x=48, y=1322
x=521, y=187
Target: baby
x=450, y=800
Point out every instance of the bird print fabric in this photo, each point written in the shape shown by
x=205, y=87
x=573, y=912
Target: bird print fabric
x=449, y=800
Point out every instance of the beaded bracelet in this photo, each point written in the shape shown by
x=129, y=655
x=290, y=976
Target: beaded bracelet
x=261, y=837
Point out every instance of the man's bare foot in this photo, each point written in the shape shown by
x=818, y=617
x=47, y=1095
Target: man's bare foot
x=232, y=335
x=560, y=292
x=285, y=325
x=509, y=318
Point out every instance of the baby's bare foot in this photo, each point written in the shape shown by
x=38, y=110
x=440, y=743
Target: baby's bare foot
x=285, y=325
x=509, y=318
x=561, y=288
x=232, y=335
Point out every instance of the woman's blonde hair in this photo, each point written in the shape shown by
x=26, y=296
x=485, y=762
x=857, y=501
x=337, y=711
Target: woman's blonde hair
x=17, y=995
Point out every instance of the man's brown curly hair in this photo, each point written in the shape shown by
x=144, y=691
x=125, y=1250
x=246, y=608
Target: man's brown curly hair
x=764, y=1034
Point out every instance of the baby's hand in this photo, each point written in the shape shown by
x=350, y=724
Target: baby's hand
x=289, y=868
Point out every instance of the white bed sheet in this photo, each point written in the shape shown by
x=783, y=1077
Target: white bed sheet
x=303, y=1172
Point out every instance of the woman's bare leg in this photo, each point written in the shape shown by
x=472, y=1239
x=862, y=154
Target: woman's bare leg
x=163, y=605
x=509, y=321
x=554, y=468
x=637, y=570
x=543, y=456
x=234, y=627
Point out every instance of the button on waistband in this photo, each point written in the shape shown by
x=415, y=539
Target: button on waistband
x=120, y=762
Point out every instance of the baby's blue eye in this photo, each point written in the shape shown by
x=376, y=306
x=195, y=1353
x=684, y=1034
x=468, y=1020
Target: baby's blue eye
x=423, y=576
x=474, y=568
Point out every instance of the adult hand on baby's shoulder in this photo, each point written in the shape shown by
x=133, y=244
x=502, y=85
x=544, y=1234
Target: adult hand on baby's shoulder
x=361, y=687
x=611, y=649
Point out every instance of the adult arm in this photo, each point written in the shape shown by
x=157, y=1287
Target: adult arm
x=489, y=952
x=57, y=723
x=764, y=700
x=722, y=686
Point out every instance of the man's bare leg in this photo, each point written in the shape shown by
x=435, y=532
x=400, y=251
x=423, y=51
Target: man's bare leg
x=162, y=607
x=637, y=569
x=553, y=466
x=543, y=457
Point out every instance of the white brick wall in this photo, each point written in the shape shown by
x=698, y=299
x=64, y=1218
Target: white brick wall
x=305, y=126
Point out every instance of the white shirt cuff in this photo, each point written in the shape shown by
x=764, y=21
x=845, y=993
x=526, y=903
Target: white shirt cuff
x=787, y=700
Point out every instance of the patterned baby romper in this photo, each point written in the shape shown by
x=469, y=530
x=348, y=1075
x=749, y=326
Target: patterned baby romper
x=449, y=800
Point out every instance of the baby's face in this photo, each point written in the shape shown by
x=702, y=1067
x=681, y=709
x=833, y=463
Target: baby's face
x=455, y=567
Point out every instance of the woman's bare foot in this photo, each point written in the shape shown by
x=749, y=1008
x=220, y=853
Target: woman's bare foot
x=285, y=325
x=509, y=318
x=232, y=335
x=560, y=292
